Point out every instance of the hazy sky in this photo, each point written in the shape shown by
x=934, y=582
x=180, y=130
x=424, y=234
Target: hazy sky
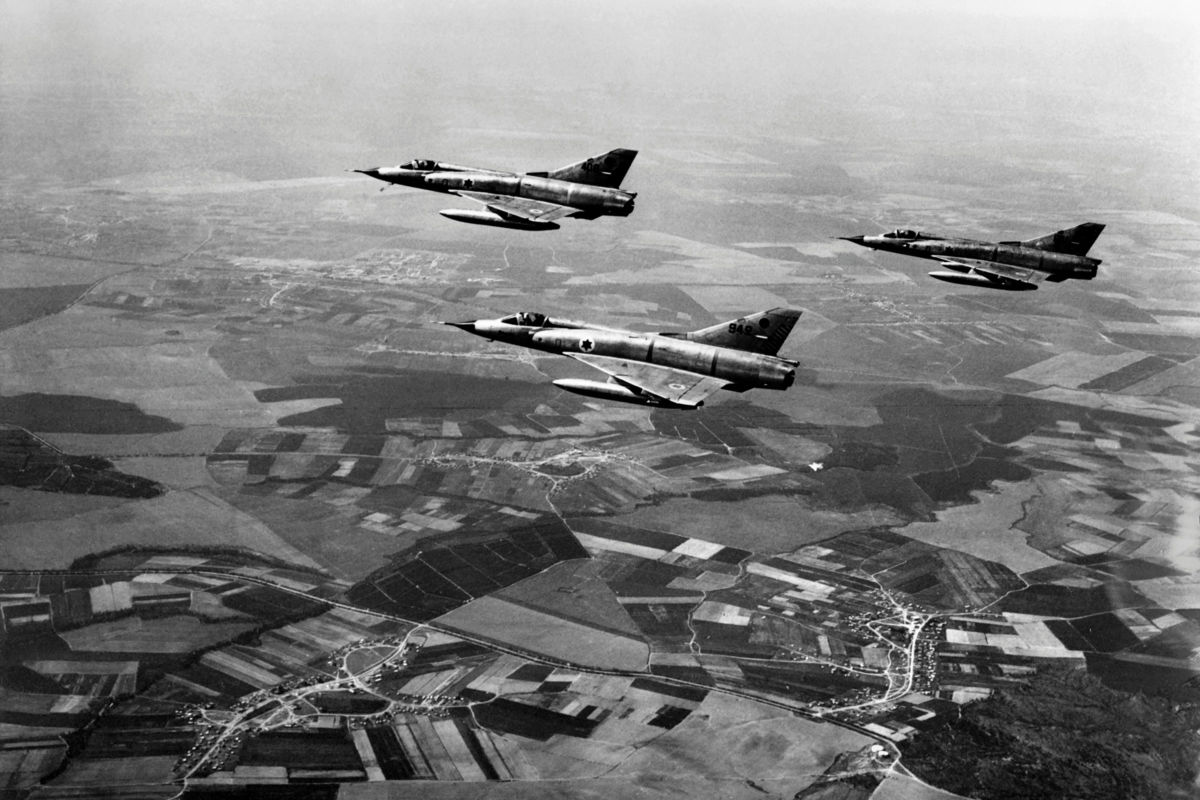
x=312, y=87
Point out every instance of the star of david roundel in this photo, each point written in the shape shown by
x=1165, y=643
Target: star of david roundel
x=587, y=345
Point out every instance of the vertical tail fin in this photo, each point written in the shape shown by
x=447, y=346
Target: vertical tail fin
x=764, y=332
x=607, y=169
x=1074, y=241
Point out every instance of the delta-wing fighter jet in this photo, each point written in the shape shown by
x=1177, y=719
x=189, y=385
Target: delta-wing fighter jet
x=533, y=201
x=1014, y=266
x=669, y=370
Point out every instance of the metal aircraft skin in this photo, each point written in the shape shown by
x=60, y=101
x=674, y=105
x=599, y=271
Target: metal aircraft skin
x=533, y=201
x=1015, y=266
x=668, y=370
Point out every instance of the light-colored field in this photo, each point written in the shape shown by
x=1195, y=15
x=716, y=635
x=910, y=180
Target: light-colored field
x=820, y=406
x=26, y=270
x=798, y=449
x=573, y=590
x=771, y=524
x=321, y=529
x=194, y=439
x=830, y=249
x=236, y=185
x=697, y=263
x=10, y=731
x=1165, y=410
x=44, y=703
x=676, y=787
x=112, y=772
x=365, y=658
x=59, y=667
x=733, y=298
x=1073, y=369
x=1164, y=325
x=174, y=634
x=172, y=472
x=1185, y=377
x=596, y=544
x=984, y=529
x=434, y=750
x=88, y=351
x=897, y=786
x=178, y=518
x=244, y=666
x=24, y=765
x=1181, y=592
x=19, y=506
x=507, y=623
x=711, y=157
x=458, y=750
x=729, y=737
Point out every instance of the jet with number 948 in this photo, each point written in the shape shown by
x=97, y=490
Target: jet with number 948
x=668, y=370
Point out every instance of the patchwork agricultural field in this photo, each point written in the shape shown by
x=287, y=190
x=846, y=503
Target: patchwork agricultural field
x=269, y=529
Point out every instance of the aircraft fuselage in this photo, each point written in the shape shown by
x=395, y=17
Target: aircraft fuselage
x=745, y=370
x=1059, y=265
x=441, y=177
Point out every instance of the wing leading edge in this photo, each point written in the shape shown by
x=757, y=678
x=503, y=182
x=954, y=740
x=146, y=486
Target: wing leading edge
x=665, y=383
x=1002, y=272
x=521, y=208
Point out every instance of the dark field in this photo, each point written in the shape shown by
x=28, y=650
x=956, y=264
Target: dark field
x=29, y=462
x=126, y=737
x=1135, y=746
x=955, y=485
x=264, y=602
x=1128, y=375
x=343, y=703
x=429, y=581
x=69, y=413
x=1105, y=632
x=1073, y=601
x=804, y=681
x=1155, y=680
x=532, y=722
x=19, y=678
x=318, y=750
x=25, y=304
x=1020, y=416
x=390, y=754
x=930, y=430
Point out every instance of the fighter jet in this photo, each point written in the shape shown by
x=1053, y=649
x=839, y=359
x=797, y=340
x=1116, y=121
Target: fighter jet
x=668, y=370
x=1015, y=266
x=533, y=201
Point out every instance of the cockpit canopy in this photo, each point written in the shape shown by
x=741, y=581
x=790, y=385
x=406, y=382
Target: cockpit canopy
x=424, y=164
x=903, y=233
x=528, y=319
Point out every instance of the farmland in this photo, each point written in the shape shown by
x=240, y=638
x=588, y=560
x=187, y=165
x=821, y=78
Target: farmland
x=269, y=529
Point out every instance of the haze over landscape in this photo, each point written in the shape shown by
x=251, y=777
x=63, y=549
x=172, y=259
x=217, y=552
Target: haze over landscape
x=263, y=522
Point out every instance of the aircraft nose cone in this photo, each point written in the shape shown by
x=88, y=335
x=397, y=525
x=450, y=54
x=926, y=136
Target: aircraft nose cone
x=855, y=239
x=373, y=172
x=469, y=327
